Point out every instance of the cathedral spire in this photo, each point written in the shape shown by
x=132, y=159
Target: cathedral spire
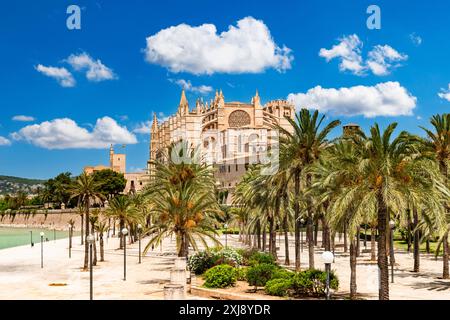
x=256, y=100
x=155, y=122
x=183, y=108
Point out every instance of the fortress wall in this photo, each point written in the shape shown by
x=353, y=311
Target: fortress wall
x=53, y=219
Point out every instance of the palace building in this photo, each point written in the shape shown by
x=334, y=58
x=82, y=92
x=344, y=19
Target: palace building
x=117, y=162
x=230, y=135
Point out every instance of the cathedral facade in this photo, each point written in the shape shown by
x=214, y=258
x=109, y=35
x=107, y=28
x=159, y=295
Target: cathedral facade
x=228, y=135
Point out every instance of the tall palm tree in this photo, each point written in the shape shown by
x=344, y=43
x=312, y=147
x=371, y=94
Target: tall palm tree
x=101, y=227
x=390, y=172
x=86, y=189
x=298, y=149
x=438, y=145
x=182, y=195
x=121, y=208
x=335, y=175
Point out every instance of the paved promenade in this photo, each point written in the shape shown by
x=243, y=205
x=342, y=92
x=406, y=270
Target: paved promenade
x=61, y=278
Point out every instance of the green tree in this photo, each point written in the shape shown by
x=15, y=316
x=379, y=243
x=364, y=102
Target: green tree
x=111, y=182
x=437, y=146
x=58, y=189
x=183, y=199
x=299, y=149
x=121, y=208
x=86, y=189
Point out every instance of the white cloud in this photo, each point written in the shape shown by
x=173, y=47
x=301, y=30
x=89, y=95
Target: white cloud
x=349, y=51
x=95, y=70
x=383, y=99
x=245, y=48
x=445, y=93
x=380, y=60
x=187, y=85
x=383, y=58
x=4, y=141
x=62, y=75
x=415, y=39
x=23, y=118
x=66, y=134
x=143, y=128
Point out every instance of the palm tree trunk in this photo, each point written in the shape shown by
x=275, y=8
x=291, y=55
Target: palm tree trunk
x=316, y=232
x=70, y=236
x=382, y=253
x=326, y=235
x=102, y=249
x=427, y=246
x=286, y=239
x=273, y=239
x=82, y=229
x=258, y=231
x=121, y=226
x=310, y=232
x=416, y=242
x=345, y=239
x=94, y=261
x=408, y=238
x=264, y=240
x=86, y=245
x=358, y=241
x=352, y=269
x=297, y=219
x=445, y=273
x=373, y=254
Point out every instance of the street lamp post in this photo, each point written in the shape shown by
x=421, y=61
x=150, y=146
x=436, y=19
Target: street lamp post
x=31, y=237
x=226, y=233
x=124, y=233
x=328, y=258
x=391, y=251
x=302, y=221
x=42, y=249
x=90, y=239
x=139, y=227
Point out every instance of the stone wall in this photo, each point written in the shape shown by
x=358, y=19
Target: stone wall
x=57, y=219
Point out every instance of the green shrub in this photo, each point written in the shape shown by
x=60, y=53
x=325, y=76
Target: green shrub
x=246, y=254
x=261, y=257
x=227, y=256
x=278, y=287
x=313, y=282
x=259, y=274
x=220, y=276
x=283, y=274
x=200, y=261
x=241, y=273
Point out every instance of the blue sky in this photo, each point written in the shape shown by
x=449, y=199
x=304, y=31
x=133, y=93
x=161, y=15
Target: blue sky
x=107, y=69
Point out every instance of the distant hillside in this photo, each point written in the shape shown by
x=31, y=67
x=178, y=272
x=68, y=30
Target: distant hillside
x=12, y=185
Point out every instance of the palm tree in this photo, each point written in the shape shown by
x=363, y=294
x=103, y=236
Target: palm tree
x=121, y=208
x=438, y=145
x=391, y=175
x=86, y=189
x=335, y=175
x=101, y=227
x=298, y=149
x=182, y=195
x=93, y=220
